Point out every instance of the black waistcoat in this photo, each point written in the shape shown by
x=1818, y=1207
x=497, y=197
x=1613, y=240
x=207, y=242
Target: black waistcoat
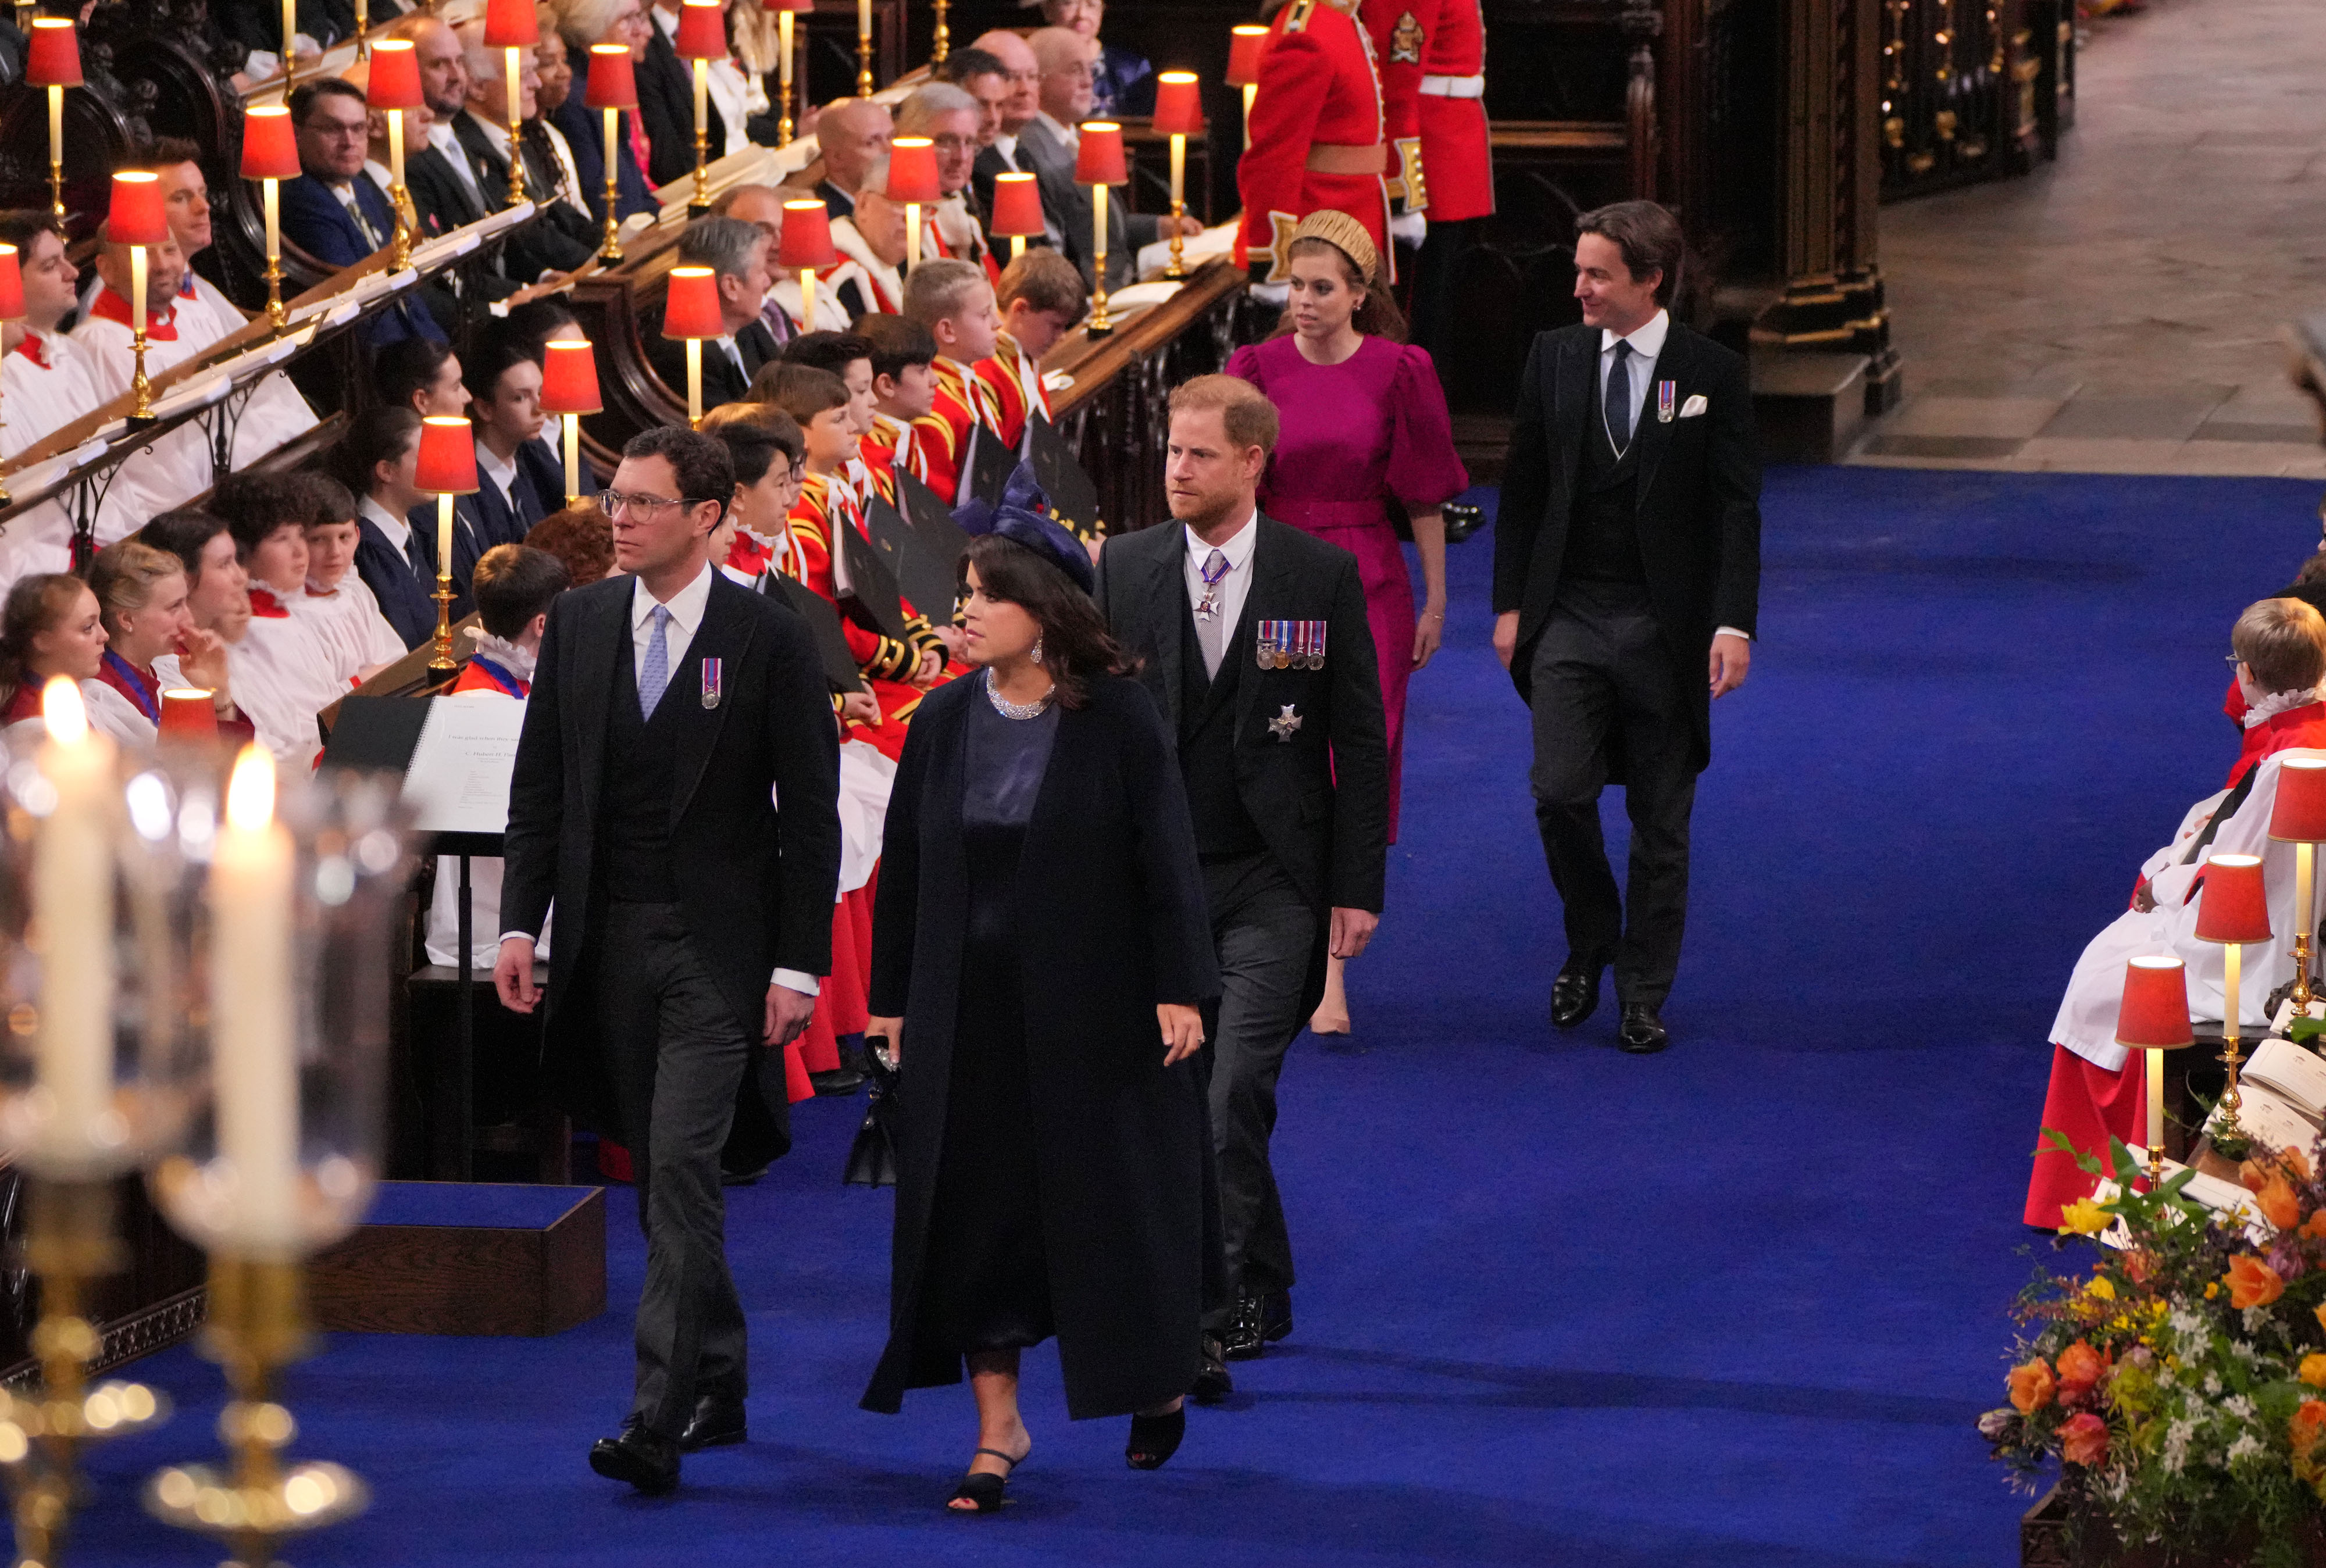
x=634, y=816
x=1603, y=533
x=1207, y=716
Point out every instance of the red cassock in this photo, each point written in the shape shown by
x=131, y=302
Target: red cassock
x=887, y=664
x=880, y=448
x=1316, y=132
x=1012, y=382
x=941, y=436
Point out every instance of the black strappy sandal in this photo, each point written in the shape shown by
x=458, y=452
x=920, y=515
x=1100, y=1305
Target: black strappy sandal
x=983, y=1487
x=1155, y=1438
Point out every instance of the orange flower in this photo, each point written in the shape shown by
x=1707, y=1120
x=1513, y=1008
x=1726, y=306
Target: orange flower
x=2083, y=1439
x=2314, y=1370
x=2314, y=1228
x=2032, y=1385
x=2253, y=1283
x=2308, y=1426
x=2277, y=1202
x=2081, y=1367
x=2321, y=1311
x=2253, y=1173
x=2295, y=1160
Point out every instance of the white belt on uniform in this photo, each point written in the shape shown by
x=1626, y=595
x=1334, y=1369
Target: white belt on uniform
x=1454, y=87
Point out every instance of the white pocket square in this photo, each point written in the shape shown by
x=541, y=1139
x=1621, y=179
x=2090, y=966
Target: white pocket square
x=1695, y=405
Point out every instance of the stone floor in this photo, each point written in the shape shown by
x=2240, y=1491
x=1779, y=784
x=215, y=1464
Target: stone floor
x=2123, y=310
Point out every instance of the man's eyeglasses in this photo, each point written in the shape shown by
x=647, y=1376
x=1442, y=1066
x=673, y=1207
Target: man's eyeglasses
x=2234, y=659
x=614, y=503
x=955, y=143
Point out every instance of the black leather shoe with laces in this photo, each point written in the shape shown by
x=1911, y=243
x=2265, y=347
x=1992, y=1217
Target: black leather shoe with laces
x=1246, y=1331
x=1574, y=994
x=1643, y=1033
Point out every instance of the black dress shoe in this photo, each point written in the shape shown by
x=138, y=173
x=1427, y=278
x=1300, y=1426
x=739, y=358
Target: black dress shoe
x=1213, y=1383
x=1275, y=1315
x=1574, y=994
x=742, y=1175
x=717, y=1421
x=1245, y=1335
x=647, y=1460
x=1643, y=1033
x=836, y=1084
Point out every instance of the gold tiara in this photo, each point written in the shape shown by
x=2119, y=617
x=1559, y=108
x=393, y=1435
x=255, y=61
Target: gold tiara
x=1344, y=234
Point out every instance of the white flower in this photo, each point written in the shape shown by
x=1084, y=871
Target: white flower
x=2238, y=1348
x=2246, y=1447
x=2212, y=1386
x=2186, y=1324
x=2256, y=1317
x=2238, y=1406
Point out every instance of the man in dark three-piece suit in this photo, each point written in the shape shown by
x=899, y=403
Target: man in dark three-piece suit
x=674, y=794
x=1257, y=653
x=1627, y=575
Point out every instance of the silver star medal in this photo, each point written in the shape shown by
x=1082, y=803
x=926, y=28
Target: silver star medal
x=1285, y=724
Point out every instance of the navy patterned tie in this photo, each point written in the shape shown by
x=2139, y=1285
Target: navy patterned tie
x=1619, y=399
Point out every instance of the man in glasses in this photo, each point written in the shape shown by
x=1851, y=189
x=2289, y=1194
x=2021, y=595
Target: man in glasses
x=331, y=211
x=674, y=796
x=949, y=117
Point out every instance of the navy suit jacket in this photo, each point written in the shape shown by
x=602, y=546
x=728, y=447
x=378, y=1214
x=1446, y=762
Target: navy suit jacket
x=666, y=112
x=314, y=221
x=403, y=596
x=585, y=133
x=539, y=490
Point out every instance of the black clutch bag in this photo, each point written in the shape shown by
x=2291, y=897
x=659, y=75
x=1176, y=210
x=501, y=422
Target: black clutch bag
x=872, y=1157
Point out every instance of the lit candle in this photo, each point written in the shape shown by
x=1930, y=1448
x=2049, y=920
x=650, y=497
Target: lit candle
x=72, y=906
x=783, y=73
x=137, y=263
x=272, y=189
x=395, y=158
x=290, y=33
x=445, y=534
x=702, y=97
x=57, y=122
x=912, y=234
x=256, y=1071
x=807, y=299
x=2305, y=913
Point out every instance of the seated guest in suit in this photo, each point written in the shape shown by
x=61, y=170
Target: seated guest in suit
x=736, y=252
x=1124, y=81
x=870, y=241
x=1043, y=971
x=950, y=118
x=563, y=237
x=519, y=484
x=331, y=211
x=51, y=627
x=581, y=537
x=2097, y=1090
x=953, y=301
x=47, y=383
x=178, y=465
x=1054, y=137
x=771, y=457
x=584, y=22
x=762, y=205
x=852, y=135
x=667, y=102
x=692, y=851
x=152, y=644
x=1041, y=300
x=393, y=559
x=904, y=390
x=343, y=611
x=981, y=75
x=1286, y=772
x=447, y=193
x=1005, y=152
x=515, y=586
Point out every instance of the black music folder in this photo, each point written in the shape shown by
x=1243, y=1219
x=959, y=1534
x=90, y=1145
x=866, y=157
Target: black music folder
x=823, y=622
x=1073, y=499
x=867, y=588
x=926, y=578
x=986, y=467
x=932, y=521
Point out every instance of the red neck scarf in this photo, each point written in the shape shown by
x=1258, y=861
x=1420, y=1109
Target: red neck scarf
x=32, y=350
x=263, y=602
x=2296, y=727
x=161, y=326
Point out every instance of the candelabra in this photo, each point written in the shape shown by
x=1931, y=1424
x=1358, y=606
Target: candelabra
x=613, y=88
x=138, y=219
x=512, y=27
x=941, y=41
x=864, y=48
x=52, y=62
x=702, y=39
x=2299, y=816
x=784, y=63
x=445, y=466
x=1099, y=164
x=2233, y=910
x=393, y=89
x=2154, y=1017
x=270, y=155
x=1179, y=113
x=295, y=914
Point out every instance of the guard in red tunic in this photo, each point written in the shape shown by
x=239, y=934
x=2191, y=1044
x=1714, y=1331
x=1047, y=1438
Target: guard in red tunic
x=1440, y=46
x=1396, y=29
x=1317, y=134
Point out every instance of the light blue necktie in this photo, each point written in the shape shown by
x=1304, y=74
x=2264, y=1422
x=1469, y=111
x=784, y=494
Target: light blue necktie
x=655, y=675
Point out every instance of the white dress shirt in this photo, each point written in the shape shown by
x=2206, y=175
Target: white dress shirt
x=441, y=137
x=397, y=529
x=685, y=607
x=1236, y=586
x=503, y=475
x=1647, y=343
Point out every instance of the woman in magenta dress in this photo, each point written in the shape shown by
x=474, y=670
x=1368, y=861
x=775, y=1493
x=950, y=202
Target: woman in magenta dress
x=1364, y=424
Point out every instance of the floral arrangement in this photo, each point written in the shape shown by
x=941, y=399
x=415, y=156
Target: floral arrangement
x=2181, y=1380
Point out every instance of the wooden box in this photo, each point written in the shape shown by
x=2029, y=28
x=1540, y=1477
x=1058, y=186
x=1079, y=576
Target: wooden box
x=467, y=1257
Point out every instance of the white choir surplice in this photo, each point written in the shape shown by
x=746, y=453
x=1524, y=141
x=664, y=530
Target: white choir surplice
x=484, y=870
x=282, y=675
x=46, y=383
x=275, y=413
x=2087, y=1019
x=170, y=470
x=347, y=621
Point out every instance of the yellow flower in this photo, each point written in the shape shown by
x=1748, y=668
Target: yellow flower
x=2100, y=1287
x=2214, y=1289
x=2314, y=1370
x=2082, y=1217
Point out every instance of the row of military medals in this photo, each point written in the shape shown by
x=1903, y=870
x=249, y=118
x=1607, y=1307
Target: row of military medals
x=1291, y=645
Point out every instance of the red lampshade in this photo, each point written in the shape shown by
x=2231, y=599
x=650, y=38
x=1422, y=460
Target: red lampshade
x=11, y=285
x=189, y=713
x=1246, y=44
x=2154, y=1016
x=447, y=461
x=613, y=84
x=568, y=377
x=137, y=216
x=808, y=237
x=1099, y=160
x=1178, y=104
x=2299, y=816
x=795, y=5
x=692, y=308
x=1016, y=207
x=395, y=80
x=510, y=25
x=2235, y=905
x=270, y=143
x=53, y=58
x=913, y=171
x=701, y=31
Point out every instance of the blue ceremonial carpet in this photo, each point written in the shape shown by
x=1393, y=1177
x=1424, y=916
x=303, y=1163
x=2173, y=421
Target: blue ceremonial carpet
x=1737, y=1305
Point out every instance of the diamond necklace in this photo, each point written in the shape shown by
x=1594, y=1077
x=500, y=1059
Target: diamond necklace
x=1009, y=710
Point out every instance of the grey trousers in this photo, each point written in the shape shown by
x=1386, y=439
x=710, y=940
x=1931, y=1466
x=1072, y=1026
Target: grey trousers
x=1601, y=667
x=1265, y=932
x=677, y=1054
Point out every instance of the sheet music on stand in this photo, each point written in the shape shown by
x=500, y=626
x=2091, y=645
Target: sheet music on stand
x=456, y=755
